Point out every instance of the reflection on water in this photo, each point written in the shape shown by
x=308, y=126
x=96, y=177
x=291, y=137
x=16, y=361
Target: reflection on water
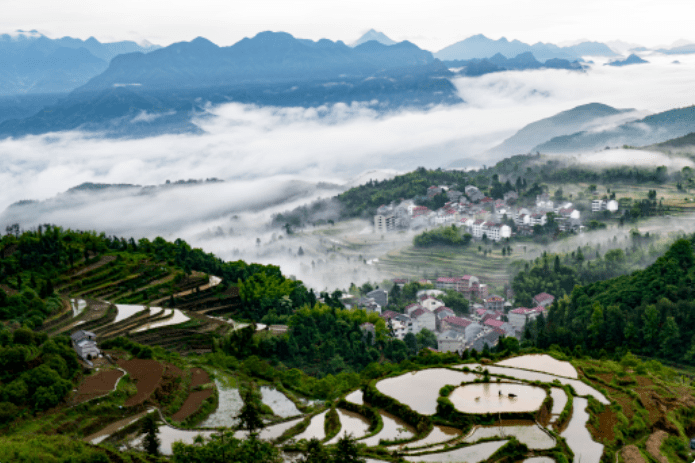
x=419, y=390
x=315, y=428
x=472, y=454
x=126, y=311
x=350, y=423
x=278, y=402
x=529, y=433
x=497, y=397
x=230, y=404
x=579, y=387
x=541, y=362
x=578, y=437
x=394, y=428
x=356, y=397
x=559, y=400
x=168, y=435
x=438, y=434
x=270, y=432
x=539, y=460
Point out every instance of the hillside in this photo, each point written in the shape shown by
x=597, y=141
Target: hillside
x=652, y=129
x=564, y=123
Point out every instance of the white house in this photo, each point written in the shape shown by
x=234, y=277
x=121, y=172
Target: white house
x=84, y=343
x=430, y=303
x=450, y=341
x=424, y=319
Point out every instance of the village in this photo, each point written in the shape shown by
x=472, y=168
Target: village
x=481, y=329
x=484, y=218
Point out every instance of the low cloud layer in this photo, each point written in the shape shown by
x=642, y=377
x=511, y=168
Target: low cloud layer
x=271, y=159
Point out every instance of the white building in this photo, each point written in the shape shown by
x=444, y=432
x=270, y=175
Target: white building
x=384, y=223
x=424, y=319
x=84, y=343
x=431, y=303
x=450, y=341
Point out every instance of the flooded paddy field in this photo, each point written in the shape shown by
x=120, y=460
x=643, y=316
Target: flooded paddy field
x=315, y=428
x=278, y=402
x=559, y=400
x=471, y=454
x=527, y=433
x=579, y=439
x=543, y=363
x=229, y=405
x=497, y=397
x=356, y=397
x=439, y=434
x=580, y=387
x=394, y=428
x=419, y=390
x=350, y=423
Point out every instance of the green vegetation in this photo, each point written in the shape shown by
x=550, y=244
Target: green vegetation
x=450, y=236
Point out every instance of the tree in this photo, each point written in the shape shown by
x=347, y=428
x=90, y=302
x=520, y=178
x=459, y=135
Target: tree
x=426, y=338
x=250, y=414
x=346, y=451
x=411, y=341
x=670, y=337
x=150, y=442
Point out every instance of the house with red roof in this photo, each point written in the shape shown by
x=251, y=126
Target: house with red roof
x=494, y=302
x=544, y=299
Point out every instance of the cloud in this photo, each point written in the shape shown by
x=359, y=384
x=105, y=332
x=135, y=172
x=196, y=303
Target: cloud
x=271, y=159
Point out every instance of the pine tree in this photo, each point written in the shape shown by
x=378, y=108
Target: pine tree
x=250, y=414
x=150, y=441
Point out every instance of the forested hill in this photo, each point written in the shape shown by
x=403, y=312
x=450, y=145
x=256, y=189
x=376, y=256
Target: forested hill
x=650, y=311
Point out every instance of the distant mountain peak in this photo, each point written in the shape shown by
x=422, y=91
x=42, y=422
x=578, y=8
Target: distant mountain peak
x=373, y=35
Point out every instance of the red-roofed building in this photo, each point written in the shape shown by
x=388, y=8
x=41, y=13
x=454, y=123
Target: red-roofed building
x=388, y=314
x=543, y=299
x=455, y=323
x=493, y=323
x=518, y=318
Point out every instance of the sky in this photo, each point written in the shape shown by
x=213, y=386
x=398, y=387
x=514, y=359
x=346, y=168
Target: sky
x=431, y=25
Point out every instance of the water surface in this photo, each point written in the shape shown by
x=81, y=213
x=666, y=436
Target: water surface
x=228, y=409
x=419, y=390
x=585, y=449
x=278, y=402
x=126, y=311
x=352, y=424
x=356, y=397
x=528, y=433
x=495, y=397
x=471, y=454
x=315, y=428
x=394, y=428
x=438, y=435
x=543, y=363
x=559, y=400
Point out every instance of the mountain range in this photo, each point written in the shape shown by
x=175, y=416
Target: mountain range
x=479, y=47
x=36, y=64
x=377, y=36
x=632, y=59
x=497, y=63
x=140, y=94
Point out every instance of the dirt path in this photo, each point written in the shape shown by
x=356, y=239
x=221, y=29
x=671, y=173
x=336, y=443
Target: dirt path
x=214, y=281
x=631, y=454
x=113, y=427
x=97, y=385
x=103, y=261
x=654, y=444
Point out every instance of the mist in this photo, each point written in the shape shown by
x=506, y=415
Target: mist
x=274, y=159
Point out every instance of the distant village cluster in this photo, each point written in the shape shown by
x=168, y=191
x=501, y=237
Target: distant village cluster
x=483, y=326
x=480, y=215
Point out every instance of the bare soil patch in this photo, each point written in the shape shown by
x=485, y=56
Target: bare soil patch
x=606, y=420
x=192, y=404
x=646, y=397
x=199, y=377
x=643, y=382
x=654, y=444
x=147, y=374
x=626, y=403
x=607, y=377
x=631, y=454
x=97, y=385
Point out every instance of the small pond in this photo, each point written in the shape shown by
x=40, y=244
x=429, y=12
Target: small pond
x=177, y=318
x=278, y=402
x=78, y=306
x=497, y=397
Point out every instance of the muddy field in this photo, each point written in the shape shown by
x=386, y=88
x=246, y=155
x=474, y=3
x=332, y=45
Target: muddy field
x=146, y=374
x=97, y=385
x=192, y=404
x=199, y=377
